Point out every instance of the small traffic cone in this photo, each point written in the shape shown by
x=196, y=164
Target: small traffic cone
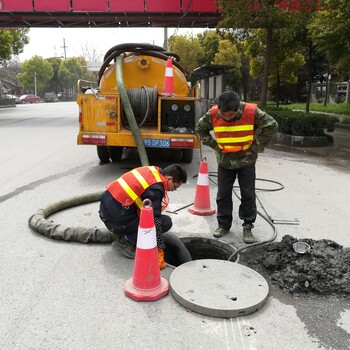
x=168, y=85
x=201, y=204
x=146, y=283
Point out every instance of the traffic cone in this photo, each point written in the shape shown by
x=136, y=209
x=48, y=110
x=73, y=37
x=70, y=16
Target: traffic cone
x=146, y=283
x=201, y=204
x=168, y=85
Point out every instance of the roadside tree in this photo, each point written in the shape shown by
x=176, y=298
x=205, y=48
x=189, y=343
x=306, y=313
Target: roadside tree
x=189, y=49
x=12, y=43
x=267, y=15
x=36, y=73
x=86, y=75
x=69, y=73
x=54, y=84
x=286, y=61
x=330, y=32
x=228, y=55
x=209, y=41
x=90, y=52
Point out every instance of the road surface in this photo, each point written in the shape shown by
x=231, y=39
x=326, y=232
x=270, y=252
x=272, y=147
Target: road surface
x=66, y=295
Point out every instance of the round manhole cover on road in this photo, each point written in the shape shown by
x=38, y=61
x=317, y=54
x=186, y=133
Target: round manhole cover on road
x=218, y=288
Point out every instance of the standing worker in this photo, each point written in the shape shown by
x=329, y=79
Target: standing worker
x=121, y=205
x=241, y=131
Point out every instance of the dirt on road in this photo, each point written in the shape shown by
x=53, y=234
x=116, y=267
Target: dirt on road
x=323, y=270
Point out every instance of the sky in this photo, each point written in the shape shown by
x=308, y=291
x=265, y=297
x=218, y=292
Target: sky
x=50, y=42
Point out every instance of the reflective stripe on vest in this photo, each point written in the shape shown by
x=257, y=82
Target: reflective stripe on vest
x=234, y=128
x=234, y=136
x=128, y=188
x=130, y=192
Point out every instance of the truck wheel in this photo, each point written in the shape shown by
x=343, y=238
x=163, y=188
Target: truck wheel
x=187, y=155
x=103, y=154
x=115, y=153
x=176, y=155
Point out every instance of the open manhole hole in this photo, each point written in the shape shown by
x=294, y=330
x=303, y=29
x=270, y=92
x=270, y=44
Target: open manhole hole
x=201, y=248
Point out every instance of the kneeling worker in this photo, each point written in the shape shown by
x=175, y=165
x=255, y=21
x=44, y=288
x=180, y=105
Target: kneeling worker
x=122, y=201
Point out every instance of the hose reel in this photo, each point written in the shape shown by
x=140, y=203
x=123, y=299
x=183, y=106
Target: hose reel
x=144, y=104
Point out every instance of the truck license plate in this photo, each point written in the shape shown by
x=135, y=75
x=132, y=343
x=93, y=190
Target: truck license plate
x=157, y=143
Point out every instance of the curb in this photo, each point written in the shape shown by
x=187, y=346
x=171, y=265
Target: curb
x=7, y=106
x=302, y=141
x=342, y=126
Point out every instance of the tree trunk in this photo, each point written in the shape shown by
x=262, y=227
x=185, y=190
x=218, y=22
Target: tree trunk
x=263, y=97
x=327, y=88
x=309, y=89
x=278, y=83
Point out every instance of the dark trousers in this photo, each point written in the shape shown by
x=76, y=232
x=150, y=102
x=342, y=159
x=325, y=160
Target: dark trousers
x=247, y=208
x=130, y=230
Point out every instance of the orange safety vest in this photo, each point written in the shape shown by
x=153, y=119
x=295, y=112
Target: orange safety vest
x=128, y=188
x=234, y=136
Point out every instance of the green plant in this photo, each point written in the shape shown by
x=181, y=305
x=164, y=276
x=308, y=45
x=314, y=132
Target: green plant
x=338, y=108
x=301, y=123
x=345, y=120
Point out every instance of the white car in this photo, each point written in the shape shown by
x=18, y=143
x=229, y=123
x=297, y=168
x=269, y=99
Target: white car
x=13, y=97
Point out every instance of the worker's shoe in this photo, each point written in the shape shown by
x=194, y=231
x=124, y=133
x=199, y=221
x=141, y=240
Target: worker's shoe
x=247, y=234
x=124, y=246
x=219, y=232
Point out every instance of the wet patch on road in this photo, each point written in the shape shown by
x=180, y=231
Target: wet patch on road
x=31, y=186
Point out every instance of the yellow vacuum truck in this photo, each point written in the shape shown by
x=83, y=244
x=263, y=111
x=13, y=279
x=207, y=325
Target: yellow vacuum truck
x=138, y=100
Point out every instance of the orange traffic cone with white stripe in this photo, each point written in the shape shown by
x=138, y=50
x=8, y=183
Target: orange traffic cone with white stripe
x=146, y=283
x=168, y=85
x=201, y=204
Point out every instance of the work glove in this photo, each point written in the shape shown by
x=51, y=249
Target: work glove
x=159, y=233
x=161, y=261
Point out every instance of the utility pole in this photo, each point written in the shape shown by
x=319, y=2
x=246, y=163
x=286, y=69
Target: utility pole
x=64, y=48
x=165, y=43
x=35, y=83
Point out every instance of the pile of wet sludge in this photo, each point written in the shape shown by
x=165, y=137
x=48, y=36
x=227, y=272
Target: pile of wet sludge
x=324, y=269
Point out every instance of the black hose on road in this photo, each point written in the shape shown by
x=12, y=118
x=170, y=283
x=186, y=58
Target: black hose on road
x=265, y=217
x=175, y=249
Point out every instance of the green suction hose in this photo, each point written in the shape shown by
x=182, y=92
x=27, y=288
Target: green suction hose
x=39, y=223
x=130, y=113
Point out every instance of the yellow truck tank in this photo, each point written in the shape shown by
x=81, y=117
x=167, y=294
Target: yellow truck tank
x=163, y=104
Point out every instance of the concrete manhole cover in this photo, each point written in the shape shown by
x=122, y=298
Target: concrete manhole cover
x=218, y=288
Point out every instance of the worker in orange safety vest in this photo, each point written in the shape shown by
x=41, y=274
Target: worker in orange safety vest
x=121, y=204
x=237, y=131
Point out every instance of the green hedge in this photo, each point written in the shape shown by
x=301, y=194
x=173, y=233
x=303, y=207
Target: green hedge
x=345, y=120
x=301, y=123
